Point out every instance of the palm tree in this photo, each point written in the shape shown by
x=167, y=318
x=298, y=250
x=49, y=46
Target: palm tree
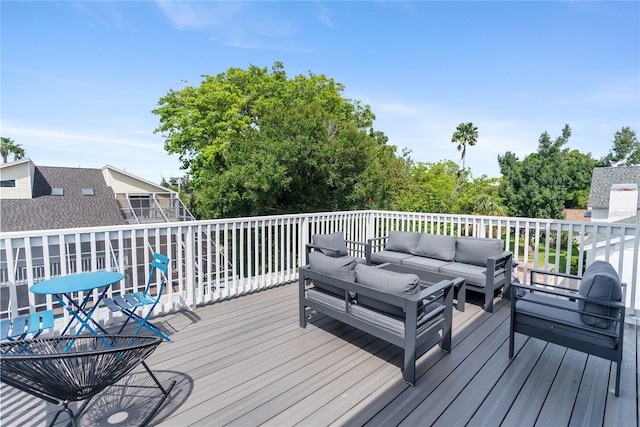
x=465, y=134
x=8, y=145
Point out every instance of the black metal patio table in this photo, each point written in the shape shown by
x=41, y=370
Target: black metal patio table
x=68, y=369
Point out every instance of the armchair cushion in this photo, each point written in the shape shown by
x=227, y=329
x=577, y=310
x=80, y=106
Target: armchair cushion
x=474, y=251
x=436, y=246
x=330, y=243
x=561, y=319
x=402, y=241
x=600, y=280
x=386, y=281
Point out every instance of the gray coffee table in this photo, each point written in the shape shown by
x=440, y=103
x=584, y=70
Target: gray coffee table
x=428, y=278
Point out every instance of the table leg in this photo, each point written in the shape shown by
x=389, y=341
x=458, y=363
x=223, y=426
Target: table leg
x=78, y=312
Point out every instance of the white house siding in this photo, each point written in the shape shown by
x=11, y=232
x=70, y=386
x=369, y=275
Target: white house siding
x=23, y=173
x=623, y=202
x=122, y=182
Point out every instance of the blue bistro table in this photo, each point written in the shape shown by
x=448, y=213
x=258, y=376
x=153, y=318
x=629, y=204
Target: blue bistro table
x=63, y=289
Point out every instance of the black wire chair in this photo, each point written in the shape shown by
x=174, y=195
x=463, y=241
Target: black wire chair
x=70, y=369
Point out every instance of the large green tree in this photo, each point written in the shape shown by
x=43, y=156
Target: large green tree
x=429, y=187
x=8, y=146
x=625, y=150
x=257, y=142
x=466, y=134
x=537, y=186
x=580, y=170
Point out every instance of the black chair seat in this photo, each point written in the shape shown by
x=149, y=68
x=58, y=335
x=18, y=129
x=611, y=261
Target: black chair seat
x=72, y=368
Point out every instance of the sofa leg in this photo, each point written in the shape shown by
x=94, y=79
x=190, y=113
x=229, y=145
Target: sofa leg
x=511, y=345
x=618, y=371
x=488, y=302
x=303, y=316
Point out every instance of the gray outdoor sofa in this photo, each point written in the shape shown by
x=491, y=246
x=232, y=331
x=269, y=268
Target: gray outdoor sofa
x=589, y=319
x=391, y=306
x=482, y=262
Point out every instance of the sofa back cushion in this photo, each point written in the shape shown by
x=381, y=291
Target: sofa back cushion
x=331, y=241
x=436, y=246
x=342, y=268
x=476, y=250
x=402, y=241
x=386, y=281
x=600, y=280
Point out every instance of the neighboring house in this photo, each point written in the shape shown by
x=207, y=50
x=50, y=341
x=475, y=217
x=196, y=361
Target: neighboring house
x=45, y=198
x=50, y=198
x=614, y=194
x=614, y=198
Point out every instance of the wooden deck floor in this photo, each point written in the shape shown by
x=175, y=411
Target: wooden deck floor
x=246, y=361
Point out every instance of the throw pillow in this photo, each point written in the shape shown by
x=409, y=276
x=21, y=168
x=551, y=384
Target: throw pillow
x=402, y=241
x=600, y=280
x=476, y=250
x=342, y=268
x=436, y=246
x=332, y=244
x=387, y=281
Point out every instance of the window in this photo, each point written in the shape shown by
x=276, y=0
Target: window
x=8, y=183
x=57, y=192
x=87, y=192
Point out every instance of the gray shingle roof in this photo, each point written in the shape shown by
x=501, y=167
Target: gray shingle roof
x=604, y=178
x=47, y=212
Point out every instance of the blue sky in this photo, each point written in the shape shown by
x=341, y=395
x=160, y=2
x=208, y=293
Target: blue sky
x=79, y=79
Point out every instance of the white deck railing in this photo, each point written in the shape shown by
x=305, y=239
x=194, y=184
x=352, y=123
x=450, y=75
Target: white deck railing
x=216, y=259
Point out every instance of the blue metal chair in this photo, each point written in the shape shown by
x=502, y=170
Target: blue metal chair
x=129, y=303
x=19, y=327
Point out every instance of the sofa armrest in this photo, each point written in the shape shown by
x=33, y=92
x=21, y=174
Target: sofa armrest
x=499, y=263
x=334, y=252
x=355, y=248
x=534, y=278
x=375, y=245
x=499, y=273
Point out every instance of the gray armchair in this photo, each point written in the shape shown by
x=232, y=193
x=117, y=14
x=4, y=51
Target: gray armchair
x=587, y=318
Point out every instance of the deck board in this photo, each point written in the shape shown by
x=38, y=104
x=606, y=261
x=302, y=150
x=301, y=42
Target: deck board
x=246, y=361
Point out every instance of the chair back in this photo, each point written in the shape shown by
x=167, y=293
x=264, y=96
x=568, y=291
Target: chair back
x=160, y=266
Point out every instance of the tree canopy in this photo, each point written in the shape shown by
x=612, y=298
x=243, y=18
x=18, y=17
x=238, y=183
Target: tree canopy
x=536, y=187
x=9, y=146
x=546, y=182
x=466, y=134
x=625, y=150
x=257, y=142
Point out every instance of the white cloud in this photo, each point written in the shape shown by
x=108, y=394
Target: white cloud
x=248, y=25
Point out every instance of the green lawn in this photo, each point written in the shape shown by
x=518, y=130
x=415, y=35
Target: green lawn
x=552, y=256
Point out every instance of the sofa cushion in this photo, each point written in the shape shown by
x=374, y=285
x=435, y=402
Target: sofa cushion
x=474, y=274
x=326, y=298
x=476, y=250
x=436, y=246
x=402, y=241
x=427, y=316
x=331, y=241
x=426, y=264
x=342, y=268
x=386, y=281
x=560, y=320
x=600, y=280
x=389, y=256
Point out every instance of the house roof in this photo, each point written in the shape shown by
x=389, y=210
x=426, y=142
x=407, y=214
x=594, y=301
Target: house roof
x=604, y=178
x=70, y=210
